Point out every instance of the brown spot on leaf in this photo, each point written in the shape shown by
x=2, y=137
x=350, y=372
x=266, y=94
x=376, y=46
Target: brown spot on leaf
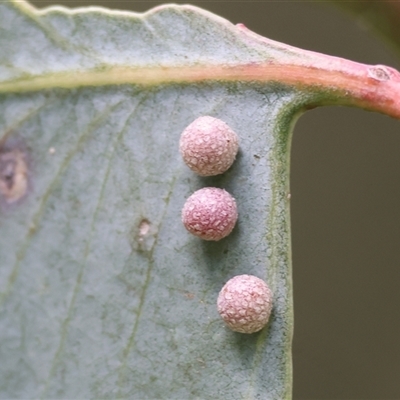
x=13, y=174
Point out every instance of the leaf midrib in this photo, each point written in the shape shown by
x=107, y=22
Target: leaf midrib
x=355, y=89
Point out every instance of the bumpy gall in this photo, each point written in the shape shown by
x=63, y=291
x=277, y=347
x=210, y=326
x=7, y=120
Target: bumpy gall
x=245, y=303
x=210, y=213
x=208, y=146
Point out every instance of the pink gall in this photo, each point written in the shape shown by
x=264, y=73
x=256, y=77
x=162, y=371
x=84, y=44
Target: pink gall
x=245, y=303
x=208, y=146
x=210, y=213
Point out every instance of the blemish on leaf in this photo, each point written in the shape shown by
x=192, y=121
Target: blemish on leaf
x=142, y=236
x=379, y=73
x=189, y=296
x=32, y=228
x=13, y=175
x=144, y=228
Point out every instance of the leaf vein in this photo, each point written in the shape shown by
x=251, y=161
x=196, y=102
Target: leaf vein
x=20, y=254
x=64, y=329
x=131, y=339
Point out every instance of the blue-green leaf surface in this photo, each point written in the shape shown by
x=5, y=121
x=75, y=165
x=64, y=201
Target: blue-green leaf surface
x=103, y=293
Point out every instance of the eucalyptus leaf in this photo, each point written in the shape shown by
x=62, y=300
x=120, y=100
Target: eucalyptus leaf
x=103, y=293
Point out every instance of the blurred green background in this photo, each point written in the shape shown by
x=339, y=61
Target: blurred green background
x=345, y=176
